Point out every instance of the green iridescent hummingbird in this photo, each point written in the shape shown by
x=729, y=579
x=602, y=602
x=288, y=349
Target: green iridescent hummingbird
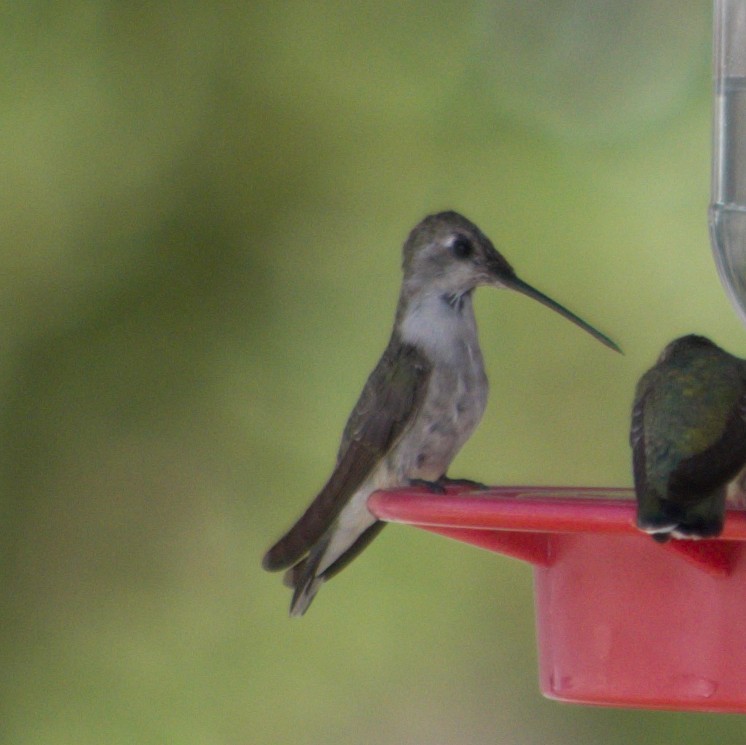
x=419, y=406
x=688, y=438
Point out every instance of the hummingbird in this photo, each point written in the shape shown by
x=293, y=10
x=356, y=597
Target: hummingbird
x=688, y=438
x=419, y=406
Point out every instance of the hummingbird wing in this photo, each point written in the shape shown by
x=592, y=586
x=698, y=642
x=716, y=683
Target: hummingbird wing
x=637, y=436
x=390, y=401
x=719, y=464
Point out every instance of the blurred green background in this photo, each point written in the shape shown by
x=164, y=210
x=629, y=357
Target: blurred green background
x=202, y=213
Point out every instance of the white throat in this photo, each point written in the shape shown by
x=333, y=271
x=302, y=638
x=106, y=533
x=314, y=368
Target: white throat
x=444, y=331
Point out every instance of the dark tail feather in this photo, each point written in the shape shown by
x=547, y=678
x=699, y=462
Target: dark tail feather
x=304, y=579
x=356, y=548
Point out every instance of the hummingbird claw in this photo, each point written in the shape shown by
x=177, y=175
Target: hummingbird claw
x=439, y=486
x=469, y=483
x=436, y=487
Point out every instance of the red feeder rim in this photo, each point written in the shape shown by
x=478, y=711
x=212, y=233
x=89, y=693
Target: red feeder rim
x=621, y=620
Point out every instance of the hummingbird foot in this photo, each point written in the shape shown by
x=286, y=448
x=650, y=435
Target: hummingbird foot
x=476, y=485
x=439, y=486
x=660, y=537
x=436, y=487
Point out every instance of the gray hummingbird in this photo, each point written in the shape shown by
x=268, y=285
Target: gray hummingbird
x=420, y=404
x=688, y=438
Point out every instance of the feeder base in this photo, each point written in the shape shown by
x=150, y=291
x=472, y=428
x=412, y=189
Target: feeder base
x=621, y=620
x=625, y=623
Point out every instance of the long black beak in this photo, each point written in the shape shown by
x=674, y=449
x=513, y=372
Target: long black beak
x=514, y=283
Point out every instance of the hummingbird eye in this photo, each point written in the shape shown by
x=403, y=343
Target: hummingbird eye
x=462, y=247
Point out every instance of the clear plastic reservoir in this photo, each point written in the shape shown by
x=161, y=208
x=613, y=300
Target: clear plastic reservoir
x=728, y=205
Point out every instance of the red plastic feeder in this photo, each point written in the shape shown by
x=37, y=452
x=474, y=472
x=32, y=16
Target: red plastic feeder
x=621, y=620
